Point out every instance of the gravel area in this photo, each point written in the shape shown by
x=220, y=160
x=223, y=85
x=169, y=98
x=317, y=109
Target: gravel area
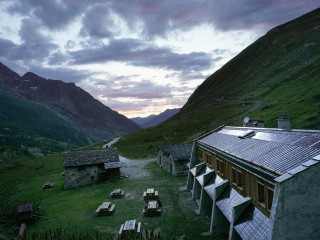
x=135, y=168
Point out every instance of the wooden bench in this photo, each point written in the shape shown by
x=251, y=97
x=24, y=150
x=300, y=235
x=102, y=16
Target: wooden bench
x=22, y=230
x=139, y=227
x=98, y=209
x=112, y=207
x=121, y=228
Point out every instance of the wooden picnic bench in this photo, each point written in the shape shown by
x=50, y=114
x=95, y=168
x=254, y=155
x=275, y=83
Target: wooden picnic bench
x=130, y=227
x=152, y=208
x=116, y=193
x=47, y=185
x=150, y=194
x=105, y=207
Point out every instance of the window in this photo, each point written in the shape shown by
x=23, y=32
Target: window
x=270, y=198
x=220, y=166
x=208, y=159
x=239, y=179
x=261, y=198
x=92, y=177
x=234, y=176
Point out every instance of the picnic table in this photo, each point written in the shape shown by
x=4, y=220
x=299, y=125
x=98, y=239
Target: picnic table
x=150, y=194
x=47, y=185
x=152, y=208
x=130, y=227
x=105, y=208
x=116, y=193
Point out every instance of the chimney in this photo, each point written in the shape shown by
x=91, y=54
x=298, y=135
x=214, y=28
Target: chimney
x=283, y=122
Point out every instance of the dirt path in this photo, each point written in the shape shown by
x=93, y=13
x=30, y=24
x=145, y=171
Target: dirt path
x=132, y=168
x=135, y=168
x=110, y=143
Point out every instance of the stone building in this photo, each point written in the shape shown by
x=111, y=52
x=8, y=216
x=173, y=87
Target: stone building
x=174, y=158
x=258, y=183
x=90, y=166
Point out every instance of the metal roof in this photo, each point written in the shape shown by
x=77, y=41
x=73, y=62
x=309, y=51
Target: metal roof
x=252, y=224
x=211, y=185
x=178, y=151
x=273, y=150
x=200, y=175
x=90, y=157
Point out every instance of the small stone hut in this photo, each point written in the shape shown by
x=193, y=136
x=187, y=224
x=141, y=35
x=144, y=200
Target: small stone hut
x=90, y=166
x=174, y=158
x=25, y=212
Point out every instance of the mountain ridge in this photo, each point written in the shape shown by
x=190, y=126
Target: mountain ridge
x=155, y=119
x=69, y=101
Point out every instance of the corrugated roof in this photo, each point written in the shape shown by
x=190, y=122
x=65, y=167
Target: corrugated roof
x=252, y=224
x=178, y=151
x=273, y=149
x=90, y=157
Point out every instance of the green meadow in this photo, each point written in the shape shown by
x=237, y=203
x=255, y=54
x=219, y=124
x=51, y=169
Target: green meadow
x=74, y=210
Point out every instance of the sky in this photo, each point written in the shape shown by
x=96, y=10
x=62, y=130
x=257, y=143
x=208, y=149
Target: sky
x=138, y=57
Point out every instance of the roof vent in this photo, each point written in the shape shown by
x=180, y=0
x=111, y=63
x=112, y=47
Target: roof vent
x=283, y=122
x=246, y=134
x=247, y=122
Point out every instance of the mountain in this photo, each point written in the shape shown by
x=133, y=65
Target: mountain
x=142, y=120
x=71, y=102
x=277, y=74
x=157, y=119
x=27, y=124
x=154, y=120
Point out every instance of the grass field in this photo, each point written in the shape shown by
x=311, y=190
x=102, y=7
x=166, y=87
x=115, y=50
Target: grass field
x=74, y=210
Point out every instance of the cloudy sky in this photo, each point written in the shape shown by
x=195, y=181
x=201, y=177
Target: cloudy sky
x=136, y=56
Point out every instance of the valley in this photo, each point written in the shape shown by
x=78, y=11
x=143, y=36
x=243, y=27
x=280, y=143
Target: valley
x=41, y=118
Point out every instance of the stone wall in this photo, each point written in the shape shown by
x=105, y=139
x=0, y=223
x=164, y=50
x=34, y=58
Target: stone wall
x=163, y=161
x=80, y=176
x=180, y=167
x=296, y=206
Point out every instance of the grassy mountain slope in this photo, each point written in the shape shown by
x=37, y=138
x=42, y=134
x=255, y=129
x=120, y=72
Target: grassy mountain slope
x=277, y=74
x=29, y=124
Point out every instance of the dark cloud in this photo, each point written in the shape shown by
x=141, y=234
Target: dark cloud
x=5, y=47
x=160, y=17
x=57, y=58
x=98, y=22
x=34, y=47
x=60, y=73
x=156, y=18
x=136, y=53
x=54, y=14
